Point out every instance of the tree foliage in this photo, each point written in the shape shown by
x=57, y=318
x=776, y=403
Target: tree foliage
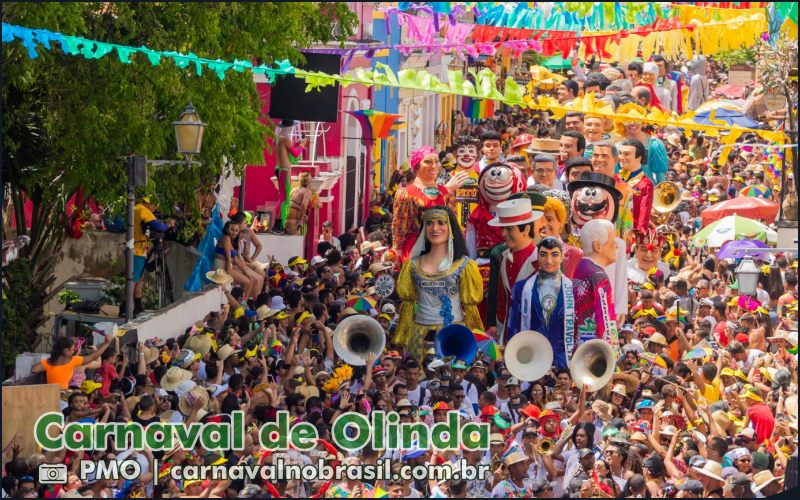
x=67, y=120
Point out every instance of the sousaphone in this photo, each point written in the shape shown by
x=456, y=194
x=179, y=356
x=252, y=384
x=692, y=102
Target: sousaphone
x=528, y=355
x=356, y=336
x=593, y=364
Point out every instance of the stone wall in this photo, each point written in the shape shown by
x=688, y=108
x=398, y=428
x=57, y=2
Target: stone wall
x=101, y=255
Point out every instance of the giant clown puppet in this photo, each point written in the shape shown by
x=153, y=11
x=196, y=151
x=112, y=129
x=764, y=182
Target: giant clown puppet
x=497, y=182
x=595, y=196
x=466, y=161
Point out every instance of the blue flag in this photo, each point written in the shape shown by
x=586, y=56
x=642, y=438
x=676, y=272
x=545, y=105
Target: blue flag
x=205, y=263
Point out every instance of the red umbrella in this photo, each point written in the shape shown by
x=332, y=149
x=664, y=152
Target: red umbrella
x=745, y=206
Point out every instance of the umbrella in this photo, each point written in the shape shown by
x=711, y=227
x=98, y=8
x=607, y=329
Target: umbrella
x=754, y=208
x=730, y=228
x=557, y=62
x=723, y=112
x=755, y=191
x=653, y=359
x=734, y=249
x=361, y=303
x=487, y=345
x=698, y=353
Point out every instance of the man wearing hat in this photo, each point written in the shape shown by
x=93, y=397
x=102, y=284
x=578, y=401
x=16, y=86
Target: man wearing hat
x=518, y=484
x=515, y=218
x=711, y=477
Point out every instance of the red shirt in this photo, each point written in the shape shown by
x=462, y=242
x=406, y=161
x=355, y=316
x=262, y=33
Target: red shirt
x=763, y=421
x=105, y=375
x=512, y=268
x=719, y=332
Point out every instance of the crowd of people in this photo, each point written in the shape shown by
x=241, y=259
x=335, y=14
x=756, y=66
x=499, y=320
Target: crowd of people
x=526, y=223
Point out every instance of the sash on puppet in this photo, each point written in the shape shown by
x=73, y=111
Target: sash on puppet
x=527, y=313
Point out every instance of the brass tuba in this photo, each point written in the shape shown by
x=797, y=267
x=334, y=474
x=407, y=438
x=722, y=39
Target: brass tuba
x=666, y=196
x=593, y=364
x=356, y=336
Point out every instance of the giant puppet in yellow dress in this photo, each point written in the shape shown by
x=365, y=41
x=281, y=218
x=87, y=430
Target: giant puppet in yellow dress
x=438, y=285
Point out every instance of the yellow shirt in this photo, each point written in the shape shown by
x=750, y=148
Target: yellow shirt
x=140, y=243
x=712, y=392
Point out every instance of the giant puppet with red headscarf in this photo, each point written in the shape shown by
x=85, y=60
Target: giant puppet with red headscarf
x=410, y=201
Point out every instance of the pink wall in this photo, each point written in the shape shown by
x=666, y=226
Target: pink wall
x=259, y=189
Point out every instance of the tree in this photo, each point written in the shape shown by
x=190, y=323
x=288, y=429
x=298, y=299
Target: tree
x=68, y=120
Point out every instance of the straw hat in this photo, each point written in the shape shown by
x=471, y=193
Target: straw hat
x=659, y=339
x=131, y=402
x=150, y=355
x=265, y=312
x=186, y=402
x=514, y=458
x=601, y=408
x=173, y=378
x=308, y=391
x=543, y=146
x=226, y=351
x=762, y=479
x=200, y=344
x=514, y=213
x=620, y=389
x=711, y=469
x=219, y=277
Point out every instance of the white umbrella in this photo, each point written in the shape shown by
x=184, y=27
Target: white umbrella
x=733, y=227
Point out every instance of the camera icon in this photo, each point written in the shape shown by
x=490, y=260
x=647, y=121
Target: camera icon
x=52, y=474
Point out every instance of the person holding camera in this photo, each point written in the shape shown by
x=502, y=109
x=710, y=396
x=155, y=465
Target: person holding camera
x=144, y=224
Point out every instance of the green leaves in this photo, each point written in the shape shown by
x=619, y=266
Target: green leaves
x=68, y=120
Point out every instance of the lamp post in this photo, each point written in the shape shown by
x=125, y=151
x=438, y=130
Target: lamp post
x=747, y=276
x=189, y=139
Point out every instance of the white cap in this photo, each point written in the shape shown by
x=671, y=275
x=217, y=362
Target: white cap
x=318, y=260
x=389, y=309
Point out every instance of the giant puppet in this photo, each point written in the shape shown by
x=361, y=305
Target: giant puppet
x=640, y=201
x=466, y=161
x=545, y=303
x=515, y=218
x=594, y=306
x=496, y=183
x=289, y=146
x=595, y=196
x=438, y=284
x=423, y=193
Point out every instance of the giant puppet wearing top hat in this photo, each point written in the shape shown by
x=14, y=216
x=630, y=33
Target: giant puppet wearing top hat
x=595, y=196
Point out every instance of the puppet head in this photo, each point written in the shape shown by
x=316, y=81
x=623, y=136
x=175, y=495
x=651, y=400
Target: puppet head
x=467, y=151
x=594, y=196
x=497, y=183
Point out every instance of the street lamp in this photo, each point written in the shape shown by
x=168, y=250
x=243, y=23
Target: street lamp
x=189, y=131
x=189, y=138
x=747, y=276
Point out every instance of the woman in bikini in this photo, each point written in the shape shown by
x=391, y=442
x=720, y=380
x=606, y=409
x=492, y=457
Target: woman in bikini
x=225, y=257
x=299, y=202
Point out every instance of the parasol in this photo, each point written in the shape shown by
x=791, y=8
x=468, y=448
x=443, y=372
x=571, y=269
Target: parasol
x=361, y=303
x=487, y=345
x=723, y=112
x=733, y=227
x=755, y=191
x=734, y=249
x=653, y=359
x=698, y=353
x=754, y=208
